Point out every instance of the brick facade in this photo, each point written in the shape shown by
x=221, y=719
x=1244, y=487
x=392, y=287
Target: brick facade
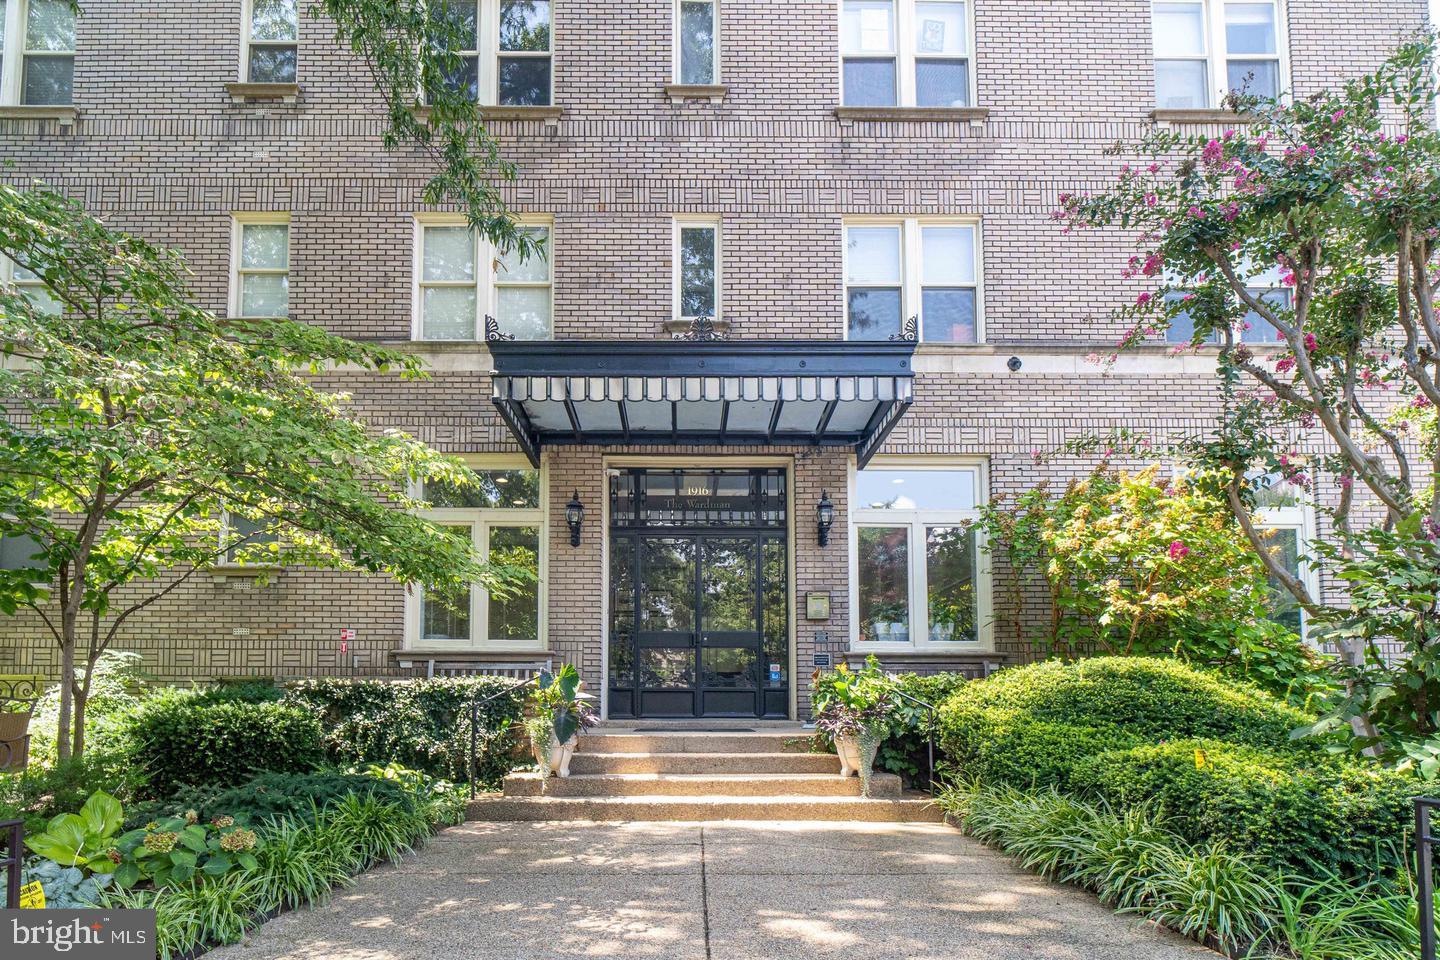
x=160, y=147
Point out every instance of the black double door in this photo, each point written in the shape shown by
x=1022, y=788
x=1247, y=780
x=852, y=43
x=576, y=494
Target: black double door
x=700, y=624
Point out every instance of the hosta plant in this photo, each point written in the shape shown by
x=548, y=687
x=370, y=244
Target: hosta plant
x=85, y=839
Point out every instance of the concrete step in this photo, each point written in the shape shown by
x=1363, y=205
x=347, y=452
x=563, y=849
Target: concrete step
x=699, y=785
x=909, y=808
x=778, y=741
x=584, y=762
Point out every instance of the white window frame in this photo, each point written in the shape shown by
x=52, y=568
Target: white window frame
x=1298, y=515
x=12, y=73
x=916, y=521
x=912, y=269
x=247, y=23
x=487, y=271
x=677, y=43
x=238, y=222
x=488, y=54
x=905, y=54
x=1217, y=57
x=705, y=222
x=481, y=522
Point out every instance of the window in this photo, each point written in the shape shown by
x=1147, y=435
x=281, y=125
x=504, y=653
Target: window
x=1205, y=48
x=261, y=286
x=697, y=58
x=697, y=269
x=454, y=292
x=919, y=575
x=21, y=552
x=245, y=540
x=922, y=269
x=29, y=286
x=1283, y=516
x=912, y=53
x=504, y=519
x=272, y=29
x=37, y=53
x=1254, y=329
x=504, y=49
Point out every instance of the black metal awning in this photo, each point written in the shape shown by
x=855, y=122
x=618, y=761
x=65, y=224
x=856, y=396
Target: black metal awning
x=827, y=393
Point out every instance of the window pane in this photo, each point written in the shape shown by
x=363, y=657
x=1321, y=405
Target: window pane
x=449, y=254
x=464, y=18
x=874, y=313
x=1255, y=328
x=246, y=539
x=494, y=489
x=50, y=26
x=950, y=580
x=1249, y=28
x=273, y=20
x=535, y=268
x=1180, y=85
x=49, y=80
x=622, y=613
x=525, y=25
x=775, y=615
x=942, y=83
x=1182, y=325
x=667, y=668
x=516, y=617
x=948, y=314
x=264, y=246
x=272, y=65
x=524, y=312
x=940, y=28
x=729, y=668
x=1284, y=544
x=1260, y=78
x=264, y=295
x=915, y=490
x=1179, y=30
x=869, y=83
x=872, y=255
x=867, y=26
x=727, y=577
x=20, y=552
x=445, y=612
x=948, y=256
x=884, y=564
x=697, y=42
x=464, y=78
x=525, y=81
x=447, y=313
x=43, y=300
x=697, y=271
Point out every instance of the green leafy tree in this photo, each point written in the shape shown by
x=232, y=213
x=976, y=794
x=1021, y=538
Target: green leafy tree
x=1339, y=192
x=136, y=423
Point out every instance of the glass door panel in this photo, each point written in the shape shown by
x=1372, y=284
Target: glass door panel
x=730, y=625
x=622, y=627
x=666, y=634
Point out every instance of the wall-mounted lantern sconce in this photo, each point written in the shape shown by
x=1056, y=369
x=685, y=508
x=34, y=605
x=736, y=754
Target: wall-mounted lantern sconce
x=824, y=516
x=574, y=514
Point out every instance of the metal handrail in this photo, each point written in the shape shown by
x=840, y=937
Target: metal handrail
x=14, y=860
x=475, y=706
x=1425, y=874
x=929, y=733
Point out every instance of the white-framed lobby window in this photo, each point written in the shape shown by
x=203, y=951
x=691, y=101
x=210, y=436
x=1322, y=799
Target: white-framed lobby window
x=1254, y=329
x=460, y=279
x=697, y=272
x=241, y=537
x=920, y=576
x=925, y=269
x=506, y=51
x=697, y=42
x=505, y=518
x=37, y=53
x=260, y=265
x=270, y=41
x=29, y=285
x=1206, y=48
x=1286, y=515
x=906, y=53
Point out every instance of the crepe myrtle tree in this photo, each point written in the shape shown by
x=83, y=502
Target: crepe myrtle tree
x=135, y=422
x=1339, y=193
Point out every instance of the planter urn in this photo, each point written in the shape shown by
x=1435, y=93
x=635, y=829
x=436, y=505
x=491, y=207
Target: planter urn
x=848, y=749
x=560, y=754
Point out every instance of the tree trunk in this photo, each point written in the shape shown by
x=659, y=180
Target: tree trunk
x=67, y=688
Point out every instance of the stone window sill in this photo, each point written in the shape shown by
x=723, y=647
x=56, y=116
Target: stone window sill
x=65, y=115
x=243, y=571
x=1166, y=117
x=551, y=115
x=975, y=115
x=681, y=92
x=289, y=92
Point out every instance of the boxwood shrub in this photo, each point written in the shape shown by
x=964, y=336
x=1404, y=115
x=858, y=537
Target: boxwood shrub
x=181, y=738
x=1303, y=811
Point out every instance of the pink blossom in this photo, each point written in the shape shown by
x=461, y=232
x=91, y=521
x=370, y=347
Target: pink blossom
x=1284, y=364
x=1346, y=482
x=1197, y=213
x=1420, y=403
x=1153, y=264
x=1232, y=212
x=1337, y=116
x=1178, y=551
x=1311, y=342
x=1213, y=153
x=1144, y=299
x=1153, y=168
x=1151, y=200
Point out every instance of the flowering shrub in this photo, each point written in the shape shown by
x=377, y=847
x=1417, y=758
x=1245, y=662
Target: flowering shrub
x=184, y=848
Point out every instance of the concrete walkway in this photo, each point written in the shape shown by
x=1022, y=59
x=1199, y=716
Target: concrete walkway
x=707, y=891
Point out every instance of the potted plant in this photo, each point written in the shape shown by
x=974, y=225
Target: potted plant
x=559, y=711
x=852, y=707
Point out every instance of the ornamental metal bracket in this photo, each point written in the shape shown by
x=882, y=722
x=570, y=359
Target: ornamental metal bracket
x=492, y=330
x=909, y=331
x=703, y=329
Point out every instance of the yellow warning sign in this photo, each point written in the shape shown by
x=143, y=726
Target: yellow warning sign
x=1202, y=760
x=32, y=896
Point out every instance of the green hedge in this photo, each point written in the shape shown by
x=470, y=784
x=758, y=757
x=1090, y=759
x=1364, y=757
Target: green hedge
x=905, y=750
x=181, y=738
x=423, y=724
x=1294, y=810
x=269, y=795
